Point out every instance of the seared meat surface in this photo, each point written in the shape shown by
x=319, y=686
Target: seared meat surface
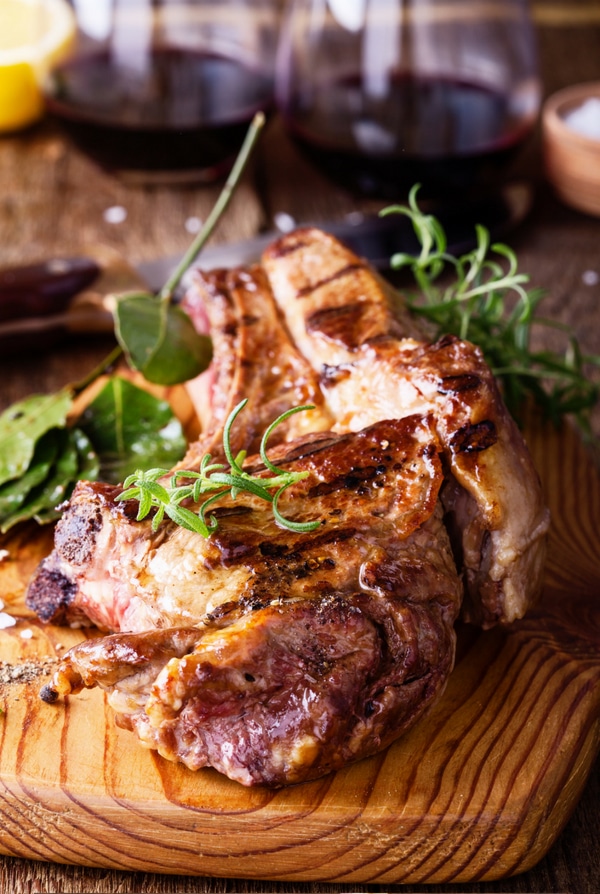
x=347, y=325
x=254, y=359
x=283, y=655
x=275, y=656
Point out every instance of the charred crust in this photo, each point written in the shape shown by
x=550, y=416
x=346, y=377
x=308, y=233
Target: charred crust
x=446, y=341
x=459, y=384
x=331, y=375
x=341, y=324
x=75, y=535
x=230, y=329
x=354, y=481
x=50, y=594
x=288, y=246
x=474, y=438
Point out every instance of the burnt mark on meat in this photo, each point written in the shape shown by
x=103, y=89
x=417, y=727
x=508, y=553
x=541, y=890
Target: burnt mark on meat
x=341, y=324
x=305, y=291
x=474, y=438
x=446, y=341
x=230, y=329
x=288, y=246
x=50, y=594
x=354, y=481
x=459, y=384
x=75, y=537
x=273, y=550
x=332, y=375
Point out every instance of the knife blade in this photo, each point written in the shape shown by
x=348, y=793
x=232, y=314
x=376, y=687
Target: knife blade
x=38, y=302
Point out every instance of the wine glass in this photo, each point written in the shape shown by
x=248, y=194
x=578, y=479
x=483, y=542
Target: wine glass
x=383, y=94
x=165, y=89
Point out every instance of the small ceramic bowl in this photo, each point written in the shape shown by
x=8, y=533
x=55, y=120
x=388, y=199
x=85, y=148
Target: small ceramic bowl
x=571, y=143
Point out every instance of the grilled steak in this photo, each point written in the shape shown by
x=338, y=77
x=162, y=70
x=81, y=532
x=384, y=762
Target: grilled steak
x=348, y=325
x=273, y=656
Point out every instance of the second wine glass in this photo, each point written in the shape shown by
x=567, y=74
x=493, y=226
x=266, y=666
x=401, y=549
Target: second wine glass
x=381, y=94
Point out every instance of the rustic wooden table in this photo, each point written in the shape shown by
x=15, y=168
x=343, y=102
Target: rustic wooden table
x=55, y=201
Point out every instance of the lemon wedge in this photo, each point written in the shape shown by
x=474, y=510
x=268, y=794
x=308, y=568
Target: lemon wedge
x=34, y=35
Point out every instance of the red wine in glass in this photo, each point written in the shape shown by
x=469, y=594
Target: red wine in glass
x=453, y=136
x=182, y=111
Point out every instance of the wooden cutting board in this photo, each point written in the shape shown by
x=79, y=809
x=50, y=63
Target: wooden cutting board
x=479, y=789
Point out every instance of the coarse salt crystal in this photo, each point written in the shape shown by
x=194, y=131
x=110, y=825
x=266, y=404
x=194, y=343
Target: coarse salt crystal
x=6, y=620
x=115, y=215
x=193, y=225
x=4, y=554
x=585, y=119
x=26, y=634
x=590, y=278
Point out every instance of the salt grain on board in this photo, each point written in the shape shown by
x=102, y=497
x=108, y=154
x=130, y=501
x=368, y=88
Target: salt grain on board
x=115, y=215
x=6, y=620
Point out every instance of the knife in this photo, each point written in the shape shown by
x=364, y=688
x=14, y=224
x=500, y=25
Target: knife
x=42, y=302
x=375, y=238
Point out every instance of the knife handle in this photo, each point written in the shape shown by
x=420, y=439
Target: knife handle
x=45, y=288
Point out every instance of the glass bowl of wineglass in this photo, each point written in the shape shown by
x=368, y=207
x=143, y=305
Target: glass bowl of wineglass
x=164, y=90
x=383, y=94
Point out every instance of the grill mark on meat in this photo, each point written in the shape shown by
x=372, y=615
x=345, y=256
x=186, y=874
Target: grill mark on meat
x=474, y=438
x=459, y=384
x=350, y=325
x=289, y=247
x=331, y=375
x=342, y=272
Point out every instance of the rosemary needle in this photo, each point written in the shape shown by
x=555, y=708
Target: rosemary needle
x=482, y=297
x=213, y=482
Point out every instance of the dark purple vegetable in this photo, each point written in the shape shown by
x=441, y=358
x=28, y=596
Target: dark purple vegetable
x=37, y=290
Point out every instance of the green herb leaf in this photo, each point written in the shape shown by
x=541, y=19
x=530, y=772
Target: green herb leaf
x=42, y=502
x=481, y=297
x=14, y=493
x=23, y=423
x=128, y=426
x=216, y=480
x=160, y=340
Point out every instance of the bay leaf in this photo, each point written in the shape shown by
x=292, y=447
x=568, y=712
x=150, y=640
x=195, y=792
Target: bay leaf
x=131, y=429
x=23, y=423
x=160, y=340
x=42, y=501
x=14, y=493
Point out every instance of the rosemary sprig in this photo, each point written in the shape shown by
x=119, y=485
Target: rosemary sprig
x=485, y=301
x=214, y=481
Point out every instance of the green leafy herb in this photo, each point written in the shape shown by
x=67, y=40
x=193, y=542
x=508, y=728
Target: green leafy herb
x=128, y=426
x=162, y=341
x=213, y=482
x=123, y=425
x=481, y=297
x=23, y=423
x=157, y=337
